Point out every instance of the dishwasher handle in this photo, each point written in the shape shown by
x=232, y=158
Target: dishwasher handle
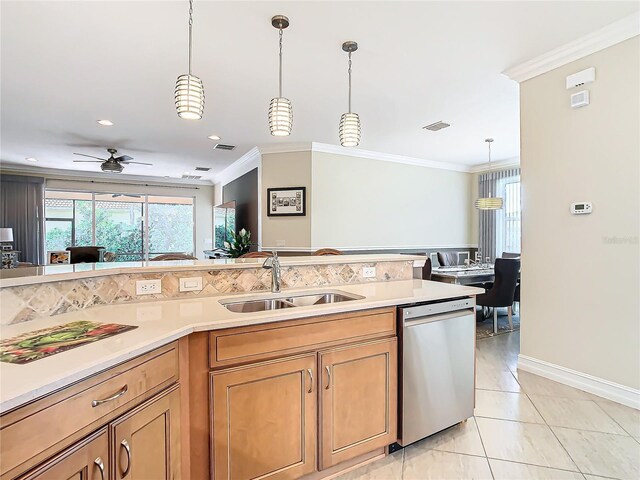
x=436, y=318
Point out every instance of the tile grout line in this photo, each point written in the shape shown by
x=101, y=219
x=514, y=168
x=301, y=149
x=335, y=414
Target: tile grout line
x=536, y=465
x=615, y=421
x=483, y=447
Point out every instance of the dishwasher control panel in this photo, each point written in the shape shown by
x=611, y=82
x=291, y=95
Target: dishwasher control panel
x=425, y=309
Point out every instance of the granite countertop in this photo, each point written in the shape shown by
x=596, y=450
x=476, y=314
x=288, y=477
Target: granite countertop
x=55, y=273
x=165, y=321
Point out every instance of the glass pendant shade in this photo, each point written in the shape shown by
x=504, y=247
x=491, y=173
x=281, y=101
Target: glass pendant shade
x=280, y=117
x=489, y=203
x=189, y=97
x=350, y=130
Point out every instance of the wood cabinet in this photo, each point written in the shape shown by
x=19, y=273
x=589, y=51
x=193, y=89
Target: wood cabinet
x=146, y=441
x=264, y=420
x=358, y=398
x=88, y=460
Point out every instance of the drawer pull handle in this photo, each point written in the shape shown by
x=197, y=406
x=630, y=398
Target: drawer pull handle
x=127, y=449
x=118, y=394
x=310, y=380
x=328, y=377
x=100, y=464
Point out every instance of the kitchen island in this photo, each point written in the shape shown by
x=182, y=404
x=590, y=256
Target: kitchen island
x=282, y=366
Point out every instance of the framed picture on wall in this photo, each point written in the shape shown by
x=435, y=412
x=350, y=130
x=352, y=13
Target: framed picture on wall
x=286, y=202
x=56, y=257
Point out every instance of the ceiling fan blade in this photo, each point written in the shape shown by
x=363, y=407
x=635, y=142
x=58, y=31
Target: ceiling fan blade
x=90, y=156
x=123, y=158
x=136, y=163
x=88, y=161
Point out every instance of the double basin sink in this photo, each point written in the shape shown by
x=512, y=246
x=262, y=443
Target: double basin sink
x=288, y=301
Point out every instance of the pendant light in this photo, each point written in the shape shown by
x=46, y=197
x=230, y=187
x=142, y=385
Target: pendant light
x=349, y=122
x=189, y=94
x=280, y=110
x=489, y=203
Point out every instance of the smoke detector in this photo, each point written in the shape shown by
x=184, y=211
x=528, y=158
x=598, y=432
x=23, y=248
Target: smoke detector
x=434, y=127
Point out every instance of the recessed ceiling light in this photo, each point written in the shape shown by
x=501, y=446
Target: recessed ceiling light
x=213, y=137
x=31, y=159
x=106, y=123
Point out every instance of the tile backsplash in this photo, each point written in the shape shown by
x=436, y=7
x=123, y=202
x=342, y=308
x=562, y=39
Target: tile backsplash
x=29, y=302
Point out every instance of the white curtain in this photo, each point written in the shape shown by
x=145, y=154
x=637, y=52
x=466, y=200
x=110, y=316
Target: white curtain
x=489, y=184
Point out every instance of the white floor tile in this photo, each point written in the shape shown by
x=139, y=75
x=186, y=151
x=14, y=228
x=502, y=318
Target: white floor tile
x=511, y=471
x=434, y=465
x=387, y=468
x=627, y=417
x=602, y=454
x=537, y=385
x=523, y=442
x=461, y=438
x=506, y=406
x=575, y=413
x=496, y=378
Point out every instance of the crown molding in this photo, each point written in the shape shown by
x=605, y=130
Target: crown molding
x=242, y=165
x=605, y=37
x=286, y=148
x=89, y=176
x=388, y=157
x=513, y=162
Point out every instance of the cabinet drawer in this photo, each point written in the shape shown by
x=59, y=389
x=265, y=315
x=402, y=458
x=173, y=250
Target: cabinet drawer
x=259, y=342
x=39, y=429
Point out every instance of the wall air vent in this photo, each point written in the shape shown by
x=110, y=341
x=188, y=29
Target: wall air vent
x=222, y=146
x=434, y=127
x=192, y=177
x=202, y=169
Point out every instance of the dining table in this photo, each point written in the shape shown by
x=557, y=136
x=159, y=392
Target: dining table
x=463, y=274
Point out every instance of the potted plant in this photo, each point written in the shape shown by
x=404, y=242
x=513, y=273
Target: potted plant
x=239, y=243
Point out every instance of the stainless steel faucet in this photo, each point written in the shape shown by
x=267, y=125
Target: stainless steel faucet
x=273, y=263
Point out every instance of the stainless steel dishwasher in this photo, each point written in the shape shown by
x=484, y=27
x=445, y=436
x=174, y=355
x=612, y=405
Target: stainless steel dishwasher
x=437, y=366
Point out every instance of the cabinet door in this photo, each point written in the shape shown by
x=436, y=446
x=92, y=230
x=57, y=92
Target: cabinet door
x=265, y=420
x=358, y=400
x=146, y=441
x=88, y=460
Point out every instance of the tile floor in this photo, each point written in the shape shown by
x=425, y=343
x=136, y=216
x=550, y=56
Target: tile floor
x=525, y=427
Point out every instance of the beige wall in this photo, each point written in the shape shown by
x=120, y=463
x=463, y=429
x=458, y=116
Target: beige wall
x=286, y=170
x=204, y=197
x=365, y=203
x=580, y=274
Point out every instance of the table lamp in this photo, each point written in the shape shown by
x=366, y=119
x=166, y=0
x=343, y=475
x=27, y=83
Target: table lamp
x=6, y=238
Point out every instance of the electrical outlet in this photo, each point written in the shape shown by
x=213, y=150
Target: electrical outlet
x=191, y=284
x=368, y=272
x=148, y=287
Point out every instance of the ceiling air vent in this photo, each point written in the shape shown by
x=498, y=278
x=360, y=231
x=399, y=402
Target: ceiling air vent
x=202, y=169
x=192, y=177
x=222, y=146
x=434, y=127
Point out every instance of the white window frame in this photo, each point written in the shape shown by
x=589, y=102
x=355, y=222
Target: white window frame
x=502, y=218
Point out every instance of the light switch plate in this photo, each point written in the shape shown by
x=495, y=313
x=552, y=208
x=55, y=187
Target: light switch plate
x=191, y=284
x=368, y=272
x=148, y=287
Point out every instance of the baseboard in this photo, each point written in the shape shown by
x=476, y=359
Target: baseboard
x=598, y=386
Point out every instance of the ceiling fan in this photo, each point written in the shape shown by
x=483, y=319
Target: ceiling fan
x=111, y=164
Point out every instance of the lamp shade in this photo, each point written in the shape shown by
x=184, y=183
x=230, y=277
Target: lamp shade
x=349, y=130
x=280, y=117
x=489, y=203
x=189, y=97
x=6, y=234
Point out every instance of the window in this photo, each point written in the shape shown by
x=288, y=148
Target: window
x=133, y=227
x=509, y=219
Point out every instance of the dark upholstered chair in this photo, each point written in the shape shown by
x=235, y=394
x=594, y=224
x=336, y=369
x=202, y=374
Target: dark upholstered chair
x=86, y=254
x=172, y=256
x=255, y=255
x=516, y=295
x=502, y=291
x=326, y=251
x=426, y=270
x=447, y=259
x=510, y=255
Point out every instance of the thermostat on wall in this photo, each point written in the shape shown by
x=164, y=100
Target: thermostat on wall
x=581, y=208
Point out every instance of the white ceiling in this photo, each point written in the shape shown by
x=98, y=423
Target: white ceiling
x=67, y=64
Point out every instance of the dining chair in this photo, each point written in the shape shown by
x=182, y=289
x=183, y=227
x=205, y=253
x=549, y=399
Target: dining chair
x=172, y=256
x=426, y=269
x=255, y=255
x=502, y=291
x=516, y=295
x=447, y=259
x=326, y=251
x=510, y=255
